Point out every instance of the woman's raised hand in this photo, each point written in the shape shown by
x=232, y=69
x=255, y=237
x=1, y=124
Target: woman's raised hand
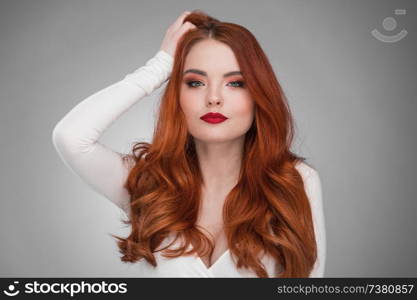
x=174, y=33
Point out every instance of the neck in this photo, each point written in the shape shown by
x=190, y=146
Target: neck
x=220, y=163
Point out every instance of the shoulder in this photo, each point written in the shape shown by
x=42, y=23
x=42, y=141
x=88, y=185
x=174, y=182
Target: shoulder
x=311, y=177
x=306, y=171
x=312, y=182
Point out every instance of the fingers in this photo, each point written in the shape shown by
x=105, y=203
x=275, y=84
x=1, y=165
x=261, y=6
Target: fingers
x=186, y=26
x=178, y=22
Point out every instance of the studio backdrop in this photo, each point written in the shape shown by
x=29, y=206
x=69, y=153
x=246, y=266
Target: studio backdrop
x=348, y=69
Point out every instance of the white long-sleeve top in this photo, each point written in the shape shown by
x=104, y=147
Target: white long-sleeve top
x=76, y=139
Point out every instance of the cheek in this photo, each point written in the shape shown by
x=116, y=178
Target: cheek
x=184, y=100
x=192, y=101
x=246, y=107
x=188, y=104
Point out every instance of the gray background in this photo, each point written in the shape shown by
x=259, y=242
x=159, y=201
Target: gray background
x=353, y=98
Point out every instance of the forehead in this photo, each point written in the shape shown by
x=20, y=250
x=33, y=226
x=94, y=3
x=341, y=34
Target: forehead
x=211, y=56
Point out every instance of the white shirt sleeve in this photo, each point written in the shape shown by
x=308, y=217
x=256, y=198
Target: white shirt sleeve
x=314, y=193
x=75, y=137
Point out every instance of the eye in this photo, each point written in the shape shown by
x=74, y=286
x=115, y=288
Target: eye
x=192, y=83
x=240, y=83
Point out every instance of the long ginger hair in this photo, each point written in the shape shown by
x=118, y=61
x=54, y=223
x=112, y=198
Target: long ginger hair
x=268, y=209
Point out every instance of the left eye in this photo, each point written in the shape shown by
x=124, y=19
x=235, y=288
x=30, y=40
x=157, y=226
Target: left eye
x=235, y=83
x=240, y=83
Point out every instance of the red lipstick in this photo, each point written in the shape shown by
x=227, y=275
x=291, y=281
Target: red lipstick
x=213, y=118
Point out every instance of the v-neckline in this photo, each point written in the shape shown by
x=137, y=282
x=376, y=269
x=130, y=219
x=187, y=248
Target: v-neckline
x=215, y=263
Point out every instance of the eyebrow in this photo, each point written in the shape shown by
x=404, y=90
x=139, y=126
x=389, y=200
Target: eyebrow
x=196, y=71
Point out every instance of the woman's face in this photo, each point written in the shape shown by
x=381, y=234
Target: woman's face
x=212, y=92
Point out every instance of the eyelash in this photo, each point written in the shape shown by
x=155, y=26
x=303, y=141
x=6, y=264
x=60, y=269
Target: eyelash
x=189, y=83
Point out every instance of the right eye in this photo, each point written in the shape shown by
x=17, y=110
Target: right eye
x=191, y=83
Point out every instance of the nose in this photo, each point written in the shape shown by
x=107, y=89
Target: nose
x=216, y=101
x=214, y=96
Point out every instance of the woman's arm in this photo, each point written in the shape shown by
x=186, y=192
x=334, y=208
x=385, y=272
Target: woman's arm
x=314, y=193
x=75, y=137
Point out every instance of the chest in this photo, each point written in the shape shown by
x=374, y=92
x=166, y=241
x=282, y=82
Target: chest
x=210, y=218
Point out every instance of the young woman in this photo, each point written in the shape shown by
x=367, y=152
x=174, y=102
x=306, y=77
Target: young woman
x=217, y=193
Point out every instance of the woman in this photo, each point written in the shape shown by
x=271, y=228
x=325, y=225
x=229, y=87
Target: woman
x=217, y=193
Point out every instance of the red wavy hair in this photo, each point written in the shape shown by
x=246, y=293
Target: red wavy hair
x=268, y=209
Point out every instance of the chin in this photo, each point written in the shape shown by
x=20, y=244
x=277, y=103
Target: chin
x=216, y=138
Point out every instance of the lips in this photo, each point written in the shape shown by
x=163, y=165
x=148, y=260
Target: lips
x=213, y=118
